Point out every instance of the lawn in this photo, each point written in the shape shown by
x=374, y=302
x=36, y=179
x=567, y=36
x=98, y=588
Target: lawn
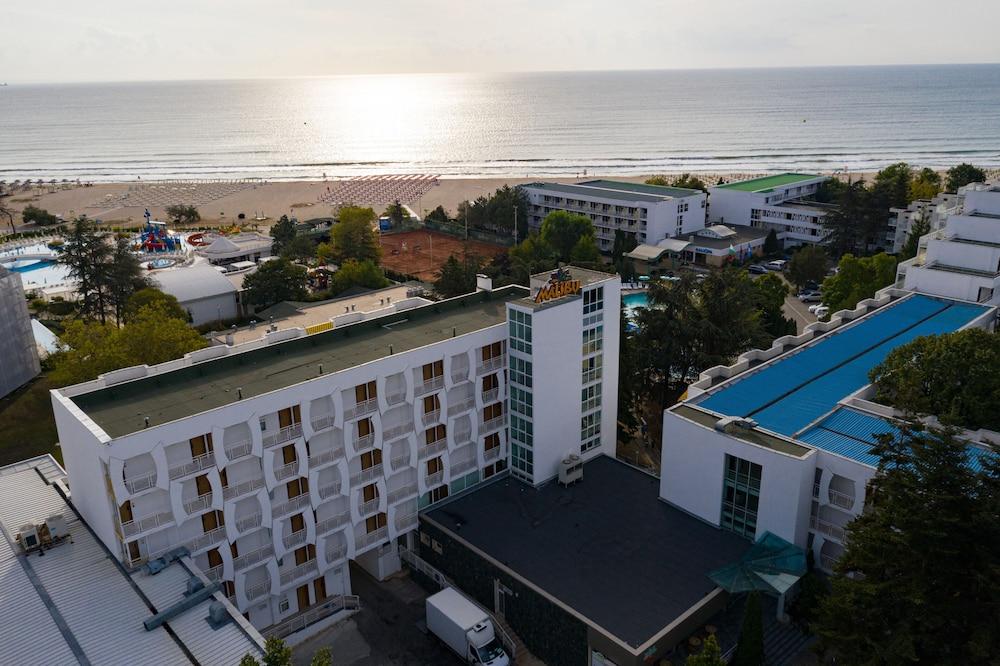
x=27, y=427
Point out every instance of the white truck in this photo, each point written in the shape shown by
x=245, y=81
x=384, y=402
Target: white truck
x=465, y=628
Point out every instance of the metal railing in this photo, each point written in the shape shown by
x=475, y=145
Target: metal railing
x=197, y=543
x=841, y=499
x=462, y=405
x=402, y=460
x=434, y=479
x=286, y=434
x=196, y=464
x=143, y=482
x=360, y=409
x=409, y=490
x=364, y=442
x=294, y=539
x=492, y=424
x=491, y=395
x=432, y=449
x=297, y=572
x=459, y=377
x=323, y=422
x=367, y=475
x=257, y=590
x=239, y=449
x=491, y=365
x=312, y=615
x=827, y=561
x=491, y=454
x=329, y=490
x=429, y=385
x=463, y=466
x=326, y=456
x=368, y=507
x=290, y=506
x=433, y=416
x=253, y=557
x=368, y=539
x=334, y=553
x=215, y=573
x=249, y=522
x=333, y=522
x=134, y=527
x=829, y=529
x=287, y=471
x=199, y=503
x=389, y=434
x=406, y=521
x=397, y=398
x=242, y=488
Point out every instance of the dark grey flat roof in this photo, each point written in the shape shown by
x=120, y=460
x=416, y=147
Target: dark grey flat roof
x=606, y=189
x=607, y=546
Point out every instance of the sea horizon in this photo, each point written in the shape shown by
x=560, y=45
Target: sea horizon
x=511, y=125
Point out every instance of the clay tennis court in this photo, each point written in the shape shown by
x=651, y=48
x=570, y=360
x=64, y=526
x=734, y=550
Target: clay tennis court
x=421, y=253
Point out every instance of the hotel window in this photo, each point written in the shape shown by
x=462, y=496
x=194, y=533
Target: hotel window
x=491, y=441
x=369, y=492
x=495, y=468
x=434, y=434
x=432, y=403
x=365, y=392
x=520, y=330
x=520, y=371
x=590, y=398
x=370, y=459
x=490, y=352
x=591, y=369
x=201, y=445
x=305, y=554
x=432, y=371
x=297, y=523
x=297, y=487
x=438, y=494
x=590, y=444
x=522, y=460
x=590, y=426
x=493, y=411
x=365, y=428
x=435, y=465
x=490, y=382
x=202, y=485
x=374, y=523
x=520, y=401
x=593, y=339
x=593, y=300
x=212, y=520
x=740, y=496
x=289, y=416
x=521, y=430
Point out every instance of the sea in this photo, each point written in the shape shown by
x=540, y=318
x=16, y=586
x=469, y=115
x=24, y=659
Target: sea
x=504, y=125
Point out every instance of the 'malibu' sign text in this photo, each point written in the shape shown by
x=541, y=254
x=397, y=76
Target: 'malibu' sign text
x=557, y=289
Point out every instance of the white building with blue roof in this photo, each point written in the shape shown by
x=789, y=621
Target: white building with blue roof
x=781, y=441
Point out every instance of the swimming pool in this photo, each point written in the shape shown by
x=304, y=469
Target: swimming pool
x=39, y=272
x=632, y=301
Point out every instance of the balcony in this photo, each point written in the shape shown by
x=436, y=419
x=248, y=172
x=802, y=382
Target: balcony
x=329, y=490
x=434, y=479
x=462, y=406
x=287, y=471
x=491, y=454
x=286, y=434
x=335, y=552
x=322, y=422
x=495, y=423
x=142, y=482
x=491, y=365
x=827, y=562
x=400, y=461
x=134, y=527
x=389, y=434
x=257, y=590
x=462, y=467
x=364, y=407
x=368, y=539
x=829, y=529
x=429, y=386
x=254, y=557
x=395, y=398
x=367, y=475
x=248, y=523
x=239, y=449
x=406, y=521
x=841, y=499
x=199, y=503
x=294, y=539
x=332, y=523
x=431, y=417
x=409, y=490
x=215, y=573
x=291, y=506
x=297, y=572
x=460, y=376
x=491, y=395
x=364, y=442
x=196, y=464
x=432, y=449
x=198, y=543
x=242, y=488
x=369, y=507
x=326, y=457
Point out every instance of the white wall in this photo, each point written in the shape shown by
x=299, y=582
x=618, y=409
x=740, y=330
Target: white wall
x=204, y=310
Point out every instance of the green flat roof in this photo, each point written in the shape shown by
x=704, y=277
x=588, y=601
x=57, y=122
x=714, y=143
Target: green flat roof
x=661, y=190
x=121, y=409
x=768, y=183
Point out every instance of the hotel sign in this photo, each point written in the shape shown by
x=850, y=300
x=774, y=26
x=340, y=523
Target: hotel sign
x=559, y=285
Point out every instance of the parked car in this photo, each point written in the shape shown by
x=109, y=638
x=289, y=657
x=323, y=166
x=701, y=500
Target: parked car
x=810, y=296
x=756, y=269
x=821, y=312
x=776, y=265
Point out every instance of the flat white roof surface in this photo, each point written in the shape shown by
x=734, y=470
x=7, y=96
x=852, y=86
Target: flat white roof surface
x=191, y=283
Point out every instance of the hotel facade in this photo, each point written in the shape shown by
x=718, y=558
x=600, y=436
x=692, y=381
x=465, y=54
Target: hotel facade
x=275, y=462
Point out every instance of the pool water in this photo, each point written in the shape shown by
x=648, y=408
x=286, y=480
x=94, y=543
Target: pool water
x=632, y=301
x=40, y=273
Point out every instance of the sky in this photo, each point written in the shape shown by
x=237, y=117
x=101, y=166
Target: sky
x=115, y=40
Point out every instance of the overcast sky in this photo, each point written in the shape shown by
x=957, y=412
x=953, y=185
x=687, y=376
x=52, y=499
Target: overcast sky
x=111, y=40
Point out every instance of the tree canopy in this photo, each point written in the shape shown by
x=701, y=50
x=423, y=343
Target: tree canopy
x=962, y=174
x=299, y=248
x=282, y=231
x=926, y=184
x=495, y=213
x=456, y=277
x=769, y=298
x=858, y=278
x=918, y=228
x=274, y=281
x=354, y=235
x=183, y=214
x=710, y=654
x=532, y=255
x=922, y=560
x=396, y=213
x=750, y=648
x=772, y=245
x=808, y=264
x=953, y=376
x=685, y=180
x=38, y=216
x=151, y=295
x=563, y=231
x=353, y=273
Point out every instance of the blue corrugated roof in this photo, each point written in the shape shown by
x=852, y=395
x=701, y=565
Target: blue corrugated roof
x=851, y=434
x=787, y=395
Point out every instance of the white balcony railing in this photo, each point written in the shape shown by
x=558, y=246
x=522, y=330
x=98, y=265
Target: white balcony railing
x=290, y=506
x=492, y=424
x=364, y=442
x=368, y=539
x=389, y=434
x=463, y=436
x=428, y=386
x=828, y=561
x=434, y=478
x=432, y=449
x=329, y=490
x=250, y=522
x=294, y=539
x=841, y=499
x=196, y=464
x=322, y=422
x=401, y=461
x=367, y=475
x=395, y=398
x=257, y=590
x=366, y=508
x=360, y=409
x=286, y=434
x=253, y=557
x=287, y=471
x=134, y=527
x=325, y=457
x=829, y=529
x=137, y=484
x=199, y=503
x=463, y=466
x=461, y=405
x=215, y=573
x=336, y=552
x=491, y=395
x=433, y=416
x=297, y=572
x=239, y=450
x=333, y=522
x=491, y=454
x=406, y=522
x=197, y=543
x=460, y=376
x=491, y=365
x=242, y=488
x=312, y=615
x=409, y=490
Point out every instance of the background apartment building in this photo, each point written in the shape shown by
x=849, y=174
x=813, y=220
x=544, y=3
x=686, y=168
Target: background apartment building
x=18, y=354
x=772, y=202
x=274, y=464
x=933, y=211
x=645, y=213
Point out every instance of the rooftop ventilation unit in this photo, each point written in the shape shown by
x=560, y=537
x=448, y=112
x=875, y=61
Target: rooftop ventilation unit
x=728, y=423
x=42, y=536
x=570, y=470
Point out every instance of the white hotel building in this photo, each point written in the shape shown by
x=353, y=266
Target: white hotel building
x=645, y=213
x=276, y=461
x=772, y=202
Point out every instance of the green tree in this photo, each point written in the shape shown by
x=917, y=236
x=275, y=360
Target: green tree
x=249, y=660
x=438, y=215
x=354, y=235
x=926, y=184
x=150, y=295
x=918, y=579
x=87, y=256
x=325, y=252
x=962, y=174
x=894, y=183
x=830, y=191
x=124, y=277
x=772, y=245
x=623, y=244
x=856, y=221
x=496, y=212
x=282, y=231
x=953, y=376
x=396, y=213
x=918, y=228
x=808, y=264
x=770, y=292
x=858, y=278
x=750, y=648
x=183, y=214
x=274, y=281
x=8, y=213
x=710, y=655
x=662, y=181
x=38, y=216
x=728, y=317
x=299, y=248
x=323, y=657
x=456, y=277
x=353, y=273
x=585, y=251
x=530, y=256
x=690, y=182
x=92, y=348
x=562, y=231
x=276, y=653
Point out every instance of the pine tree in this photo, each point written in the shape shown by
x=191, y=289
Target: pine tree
x=710, y=655
x=276, y=653
x=750, y=648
